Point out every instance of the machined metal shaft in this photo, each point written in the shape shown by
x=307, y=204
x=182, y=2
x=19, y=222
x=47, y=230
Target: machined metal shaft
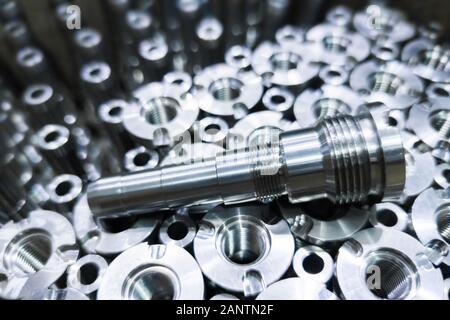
x=346, y=159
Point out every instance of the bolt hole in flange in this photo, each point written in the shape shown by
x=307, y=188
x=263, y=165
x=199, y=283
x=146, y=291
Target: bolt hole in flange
x=88, y=273
x=313, y=264
x=177, y=230
x=63, y=188
x=387, y=217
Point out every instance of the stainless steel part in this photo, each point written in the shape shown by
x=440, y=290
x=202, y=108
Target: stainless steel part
x=179, y=230
x=389, y=215
x=297, y=289
x=17, y=34
x=154, y=55
x=162, y=114
x=282, y=66
x=238, y=251
x=340, y=16
x=224, y=91
x=96, y=237
x=239, y=57
x=86, y=275
x=33, y=65
x=334, y=75
x=57, y=294
x=290, y=36
x=278, y=99
x=209, y=32
x=384, y=50
x=431, y=122
x=377, y=21
x=345, y=159
x=153, y=272
x=98, y=82
x=35, y=253
x=188, y=153
x=58, y=146
x=313, y=263
x=340, y=226
x=63, y=192
x=337, y=46
x=256, y=127
x=431, y=221
x=438, y=92
x=140, y=159
x=428, y=60
x=180, y=79
x=312, y=105
x=442, y=175
x=213, y=130
x=386, y=264
x=393, y=84
x=45, y=105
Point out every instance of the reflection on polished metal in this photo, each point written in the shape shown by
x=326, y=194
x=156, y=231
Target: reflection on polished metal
x=345, y=159
x=153, y=272
x=35, y=252
x=238, y=251
x=386, y=264
x=297, y=289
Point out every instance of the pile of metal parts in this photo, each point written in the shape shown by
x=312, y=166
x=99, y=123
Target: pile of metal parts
x=215, y=153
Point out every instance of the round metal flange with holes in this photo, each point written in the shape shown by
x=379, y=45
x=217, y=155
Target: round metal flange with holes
x=152, y=272
x=428, y=60
x=179, y=230
x=377, y=22
x=278, y=99
x=213, y=130
x=296, y=289
x=313, y=263
x=313, y=105
x=238, y=251
x=63, y=192
x=389, y=215
x=384, y=50
x=379, y=264
x=337, y=46
x=87, y=273
x=431, y=220
x=286, y=67
x=35, y=253
x=162, y=114
x=393, y=84
x=96, y=238
x=223, y=90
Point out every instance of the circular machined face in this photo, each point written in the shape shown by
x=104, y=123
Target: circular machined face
x=153, y=272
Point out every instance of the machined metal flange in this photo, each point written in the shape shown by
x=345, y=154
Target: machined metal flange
x=392, y=83
x=286, y=67
x=428, y=60
x=223, y=90
x=87, y=273
x=95, y=238
x=35, y=253
x=239, y=252
x=153, y=272
x=141, y=158
x=386, y=264
x=162, y=113
x=337, y=46
x=328, y=101
x=389, y=215
x=179, y=230
x=313, y=263
x=431, y=220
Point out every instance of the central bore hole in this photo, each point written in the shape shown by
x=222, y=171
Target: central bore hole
x=37, y=93
x=436, y=58
x=88, y=273
x=285, y=61
x=226, y=89
x=115, y=111
x=396, y=273
x=151, y=283
x=387, y=217
x=440, y=121
x=212, y=128
x=330, y=107
x=141, y=159
x=443, y=222
x=117, y=225
x=243, y=241
x=95, y=72
x=277, y=99
x=385, y=82
x=177, y=230
x=441, y=92
x=161, y=110
x=313, y=263
x=63, y=188
x=28, y=252
x=52, y=136
x=336, y=44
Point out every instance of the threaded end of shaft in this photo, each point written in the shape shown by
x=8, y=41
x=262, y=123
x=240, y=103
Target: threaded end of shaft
x=267, y=164
x=349, y=172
